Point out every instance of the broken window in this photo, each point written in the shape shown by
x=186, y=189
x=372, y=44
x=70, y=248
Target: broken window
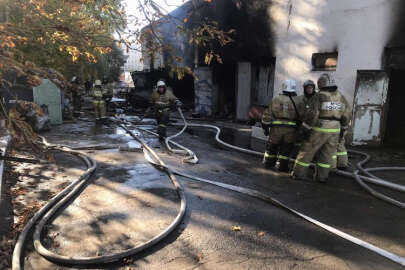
x=324, y=61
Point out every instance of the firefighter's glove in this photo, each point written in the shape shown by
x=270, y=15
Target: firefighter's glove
x=303, y=133
x=342, y=133
x=266, y=129
x=147, y=111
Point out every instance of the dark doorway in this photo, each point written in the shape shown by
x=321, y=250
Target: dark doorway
x=395, y=125
x=224, y=76
x=184, y=88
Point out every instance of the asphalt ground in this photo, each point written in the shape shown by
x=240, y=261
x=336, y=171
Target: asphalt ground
x=128, y=201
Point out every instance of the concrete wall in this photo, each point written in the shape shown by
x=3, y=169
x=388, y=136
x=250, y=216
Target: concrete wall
x=205, y=92
x=358, y=29
x=243, y=91
x=133, y=62
x=262, y=81
x=157, y=61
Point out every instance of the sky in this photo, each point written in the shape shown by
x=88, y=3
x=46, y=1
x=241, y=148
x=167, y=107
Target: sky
x=132, y=10
x=167, y=5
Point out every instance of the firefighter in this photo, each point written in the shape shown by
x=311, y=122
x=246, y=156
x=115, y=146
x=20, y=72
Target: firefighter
x=87, y=86
x=309, y=92
x=76, y=95
x=281, y=116
x=324, y=124
x=162, y=99
x=108, y=93
x=98, y=102
x=303, y=102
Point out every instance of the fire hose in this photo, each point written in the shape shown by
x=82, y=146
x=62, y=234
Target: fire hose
x=65, y=196
x=253, y=193
x=361, y=179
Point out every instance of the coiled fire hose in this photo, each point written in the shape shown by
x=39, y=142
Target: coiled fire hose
x=72, y=190
x=190, y=156
x=49, y=210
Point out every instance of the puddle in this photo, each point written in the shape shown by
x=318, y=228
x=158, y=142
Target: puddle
x=134, y=144
x=141, y=176
x=120, y=131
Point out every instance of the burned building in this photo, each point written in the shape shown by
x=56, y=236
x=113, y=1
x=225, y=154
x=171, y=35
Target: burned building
x=248, y=62
x=356, y=41
x=360, y=42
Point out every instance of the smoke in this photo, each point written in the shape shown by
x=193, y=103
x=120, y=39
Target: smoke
x=254, y=39
x=397, y=37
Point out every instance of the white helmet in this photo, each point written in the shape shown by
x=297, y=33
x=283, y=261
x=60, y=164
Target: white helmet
x=161, y=83
x=97, y=83
x=289, y=86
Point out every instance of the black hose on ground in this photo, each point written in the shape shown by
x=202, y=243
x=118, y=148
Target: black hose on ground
x=259, y=195
x=69, y=191
x=64, y=197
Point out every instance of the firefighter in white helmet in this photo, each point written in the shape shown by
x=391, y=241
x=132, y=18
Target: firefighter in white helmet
x=281, y=116
x=162, y=99
x=98, y=102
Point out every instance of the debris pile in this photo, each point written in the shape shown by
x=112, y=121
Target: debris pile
x=24, y=119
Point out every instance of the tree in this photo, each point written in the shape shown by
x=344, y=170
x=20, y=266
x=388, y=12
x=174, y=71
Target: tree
x=54, y=33
x=38, y=37
x=187, y=25
x=41, y=38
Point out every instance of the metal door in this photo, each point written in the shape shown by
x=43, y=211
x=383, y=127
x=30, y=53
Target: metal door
x=370, y=99
x=49, y=94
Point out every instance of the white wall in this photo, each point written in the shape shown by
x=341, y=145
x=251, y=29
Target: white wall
x=358, y=29
x=243, y=91
x=133, y=61
x=157, y=61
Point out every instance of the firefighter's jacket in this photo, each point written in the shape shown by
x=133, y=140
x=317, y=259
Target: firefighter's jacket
x=98, y=93
x=281, y=112
x=329, y=112
x=163, y=101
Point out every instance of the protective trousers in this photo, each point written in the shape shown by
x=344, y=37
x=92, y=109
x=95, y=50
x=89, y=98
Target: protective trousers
x=107, y=102
x=162, y=118
x=340, y=159
x=76, y=101
x=99, y=108
x=279, y=147
x=324, y=145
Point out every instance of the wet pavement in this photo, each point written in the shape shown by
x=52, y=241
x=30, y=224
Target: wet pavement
x=128, y=201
